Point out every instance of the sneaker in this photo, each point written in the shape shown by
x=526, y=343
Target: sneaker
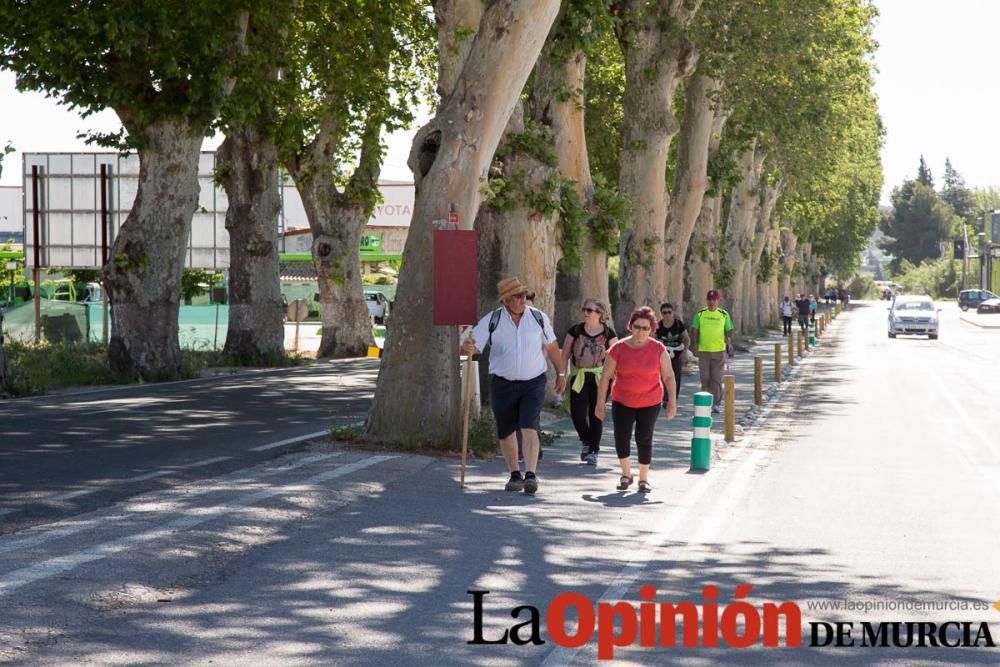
x=530, y=483
x=592, y=458
x=516, y=482
x=716, y=410
x=584, y=451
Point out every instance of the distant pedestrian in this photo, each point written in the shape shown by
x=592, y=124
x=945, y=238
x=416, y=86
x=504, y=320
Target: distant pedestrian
x=786, y=316
x=712, y=339
x=587, y=344
x=802, y=303
x=673, y=334
x=812, y=308
x=518, y=349
x=640, y=368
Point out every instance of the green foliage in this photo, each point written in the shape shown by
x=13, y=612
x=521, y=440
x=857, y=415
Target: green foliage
x=862, y=287
x=611, y=214
x=150, y=61
x=7, y=150
x=918, y=224
x=195, y=282
x=36, y=369
x=604, y=91
x=937, y=278
x=483, y=435
x=573, y=223
x=960, y=198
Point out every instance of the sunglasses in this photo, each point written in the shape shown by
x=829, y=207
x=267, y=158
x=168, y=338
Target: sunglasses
x=591, y=310
x=666, y=312
x=639, y=328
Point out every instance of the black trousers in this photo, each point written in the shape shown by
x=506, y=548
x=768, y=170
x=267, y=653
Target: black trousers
x=786, y=320
x=643, y=420
x=581, y=407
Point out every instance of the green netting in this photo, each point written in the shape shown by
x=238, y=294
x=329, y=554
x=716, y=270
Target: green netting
x=199, y=327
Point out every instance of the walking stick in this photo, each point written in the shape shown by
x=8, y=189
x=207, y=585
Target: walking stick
x=466, y=409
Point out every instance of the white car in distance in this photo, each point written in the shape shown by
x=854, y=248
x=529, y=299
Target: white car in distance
x=913, y=315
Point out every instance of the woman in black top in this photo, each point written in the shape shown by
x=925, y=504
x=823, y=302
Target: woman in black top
x=673, y=334
x=586, y=344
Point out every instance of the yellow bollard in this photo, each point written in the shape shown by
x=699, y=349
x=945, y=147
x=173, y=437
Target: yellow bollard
x=791, y=348
x=800, y=342
x=777, y=362
x=729, y=391
x=758, y=380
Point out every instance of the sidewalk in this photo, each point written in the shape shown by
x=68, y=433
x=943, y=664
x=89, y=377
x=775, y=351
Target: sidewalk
x=671, y=442
x=988, y=321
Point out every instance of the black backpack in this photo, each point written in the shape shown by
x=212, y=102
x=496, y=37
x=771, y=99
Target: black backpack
x=495, y=322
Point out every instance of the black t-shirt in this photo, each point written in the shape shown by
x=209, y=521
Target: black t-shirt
x=803, y=306
x=588, y=351
x=671, y=336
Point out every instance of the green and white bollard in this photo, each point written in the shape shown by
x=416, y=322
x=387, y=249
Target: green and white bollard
x=812, y=333
x=701, y=442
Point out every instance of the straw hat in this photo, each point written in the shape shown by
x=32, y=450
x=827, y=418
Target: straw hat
x=510, y=287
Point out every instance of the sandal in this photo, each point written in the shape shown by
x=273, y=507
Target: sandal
x=644, y=486
x=624, y=482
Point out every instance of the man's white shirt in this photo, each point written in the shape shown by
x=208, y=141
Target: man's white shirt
x=516, y=352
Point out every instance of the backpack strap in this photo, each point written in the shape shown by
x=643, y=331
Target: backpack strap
x=538, y=317
x=494, y=322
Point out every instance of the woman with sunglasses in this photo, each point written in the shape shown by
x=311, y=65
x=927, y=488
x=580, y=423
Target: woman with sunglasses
x=674, y=336
x=640, y=367
x=586, y=344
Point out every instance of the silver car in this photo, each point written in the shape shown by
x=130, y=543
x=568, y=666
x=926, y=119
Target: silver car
x=913, y=315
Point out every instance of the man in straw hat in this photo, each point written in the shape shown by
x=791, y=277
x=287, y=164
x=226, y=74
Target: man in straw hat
x=518, y=347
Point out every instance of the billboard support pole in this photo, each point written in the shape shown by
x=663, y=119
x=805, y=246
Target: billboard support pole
x=105, y=176
x=36, y=274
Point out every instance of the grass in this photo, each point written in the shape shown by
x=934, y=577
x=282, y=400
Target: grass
x=47, y=367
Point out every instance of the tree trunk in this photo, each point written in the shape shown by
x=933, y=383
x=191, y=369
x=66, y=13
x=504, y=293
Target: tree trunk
x=767, y=196
x=789, y=253
x=143, y=274
x=451, y=156
x=565, y=115
x=743, y=208
x=336, y=224
x=702, y=260
x=248, y=163
x=4, y=382
x=656, y=59
x=690, y=182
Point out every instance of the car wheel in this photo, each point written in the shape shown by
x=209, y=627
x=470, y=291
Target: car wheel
x=964, y=307
x=932, y=336
x=892, y=335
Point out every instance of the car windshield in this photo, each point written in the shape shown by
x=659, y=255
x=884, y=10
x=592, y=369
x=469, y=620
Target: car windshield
x=915, y=305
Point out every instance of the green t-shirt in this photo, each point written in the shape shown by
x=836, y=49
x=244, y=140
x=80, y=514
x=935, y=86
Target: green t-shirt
x=712, y=326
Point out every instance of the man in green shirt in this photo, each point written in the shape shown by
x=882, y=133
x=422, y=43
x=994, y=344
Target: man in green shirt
x=711, y=339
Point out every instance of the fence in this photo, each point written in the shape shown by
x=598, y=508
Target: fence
x=200, y=327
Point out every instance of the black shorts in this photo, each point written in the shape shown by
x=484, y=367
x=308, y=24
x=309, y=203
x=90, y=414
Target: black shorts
x=516, y=403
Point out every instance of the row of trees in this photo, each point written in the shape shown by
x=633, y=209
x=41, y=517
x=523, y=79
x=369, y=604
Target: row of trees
x=923, y=220
x=726, y=143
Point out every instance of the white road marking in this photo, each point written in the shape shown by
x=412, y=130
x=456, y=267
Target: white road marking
x=207, y=462
x=148, y=475
x=289, y=441
x=72, y=494
x=61, y=564
x=28, y=540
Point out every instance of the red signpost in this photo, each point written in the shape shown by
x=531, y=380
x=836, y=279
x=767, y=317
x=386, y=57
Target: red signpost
x=456, y=266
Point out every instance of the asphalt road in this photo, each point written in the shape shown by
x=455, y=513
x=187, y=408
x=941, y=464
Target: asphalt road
x=871, y=483
x=63, y=454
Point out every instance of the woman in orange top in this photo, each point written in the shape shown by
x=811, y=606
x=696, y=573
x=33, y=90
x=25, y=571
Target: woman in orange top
x=640, y=367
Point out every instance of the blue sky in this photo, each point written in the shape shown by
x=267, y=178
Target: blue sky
x=936, y=87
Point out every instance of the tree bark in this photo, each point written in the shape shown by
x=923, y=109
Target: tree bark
x=450, y=159
x=655, y=61
x=702, y=259
x=767, y=197
x=743, y=207
x=789, y=252
x=690, y=182
x=143, y=273
x=249, y=171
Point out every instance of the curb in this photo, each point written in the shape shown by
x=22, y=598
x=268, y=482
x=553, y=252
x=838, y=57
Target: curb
x=973, y=321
